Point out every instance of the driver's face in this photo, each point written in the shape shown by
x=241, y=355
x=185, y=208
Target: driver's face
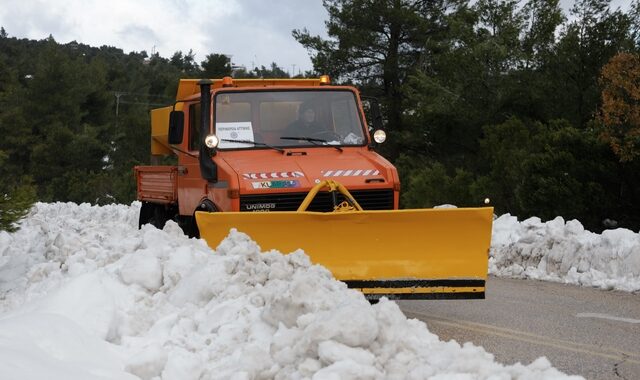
x=309, y=115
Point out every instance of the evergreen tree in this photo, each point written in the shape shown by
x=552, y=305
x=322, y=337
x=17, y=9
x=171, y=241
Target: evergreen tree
x=570, y=173
x=274, y=71
x=375, y=43
x=17, y=192
x=15, y=202
x=216, y=66
x=465, y=83
x=70, y=143
x=185, y=63
x=529, y=86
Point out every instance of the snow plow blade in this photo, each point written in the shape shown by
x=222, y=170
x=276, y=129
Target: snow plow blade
x=400, y=254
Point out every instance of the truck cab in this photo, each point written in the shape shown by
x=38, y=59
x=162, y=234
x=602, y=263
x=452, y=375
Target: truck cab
x=260, y=145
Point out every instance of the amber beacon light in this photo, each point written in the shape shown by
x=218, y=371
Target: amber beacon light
x=325, y=80
x=227, y=82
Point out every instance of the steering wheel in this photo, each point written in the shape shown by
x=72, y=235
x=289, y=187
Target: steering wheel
x=327, y=135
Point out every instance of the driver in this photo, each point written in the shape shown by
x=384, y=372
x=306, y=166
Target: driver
x=306, y=125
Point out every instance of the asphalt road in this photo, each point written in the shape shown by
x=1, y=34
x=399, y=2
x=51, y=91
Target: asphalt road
x=582, y=331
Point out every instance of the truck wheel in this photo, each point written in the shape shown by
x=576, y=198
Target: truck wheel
x=154, y=214
x=159, y=217
x=146, y=211
x=191, y=227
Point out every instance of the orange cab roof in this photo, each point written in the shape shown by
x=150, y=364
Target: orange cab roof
x=188, y=87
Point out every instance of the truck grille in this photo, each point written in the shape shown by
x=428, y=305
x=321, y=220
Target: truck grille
x=368, y=199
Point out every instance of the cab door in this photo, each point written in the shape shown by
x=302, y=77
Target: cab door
x=192, y=188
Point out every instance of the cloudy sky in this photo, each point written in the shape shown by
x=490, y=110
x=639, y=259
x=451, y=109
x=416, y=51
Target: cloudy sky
x=253, y=32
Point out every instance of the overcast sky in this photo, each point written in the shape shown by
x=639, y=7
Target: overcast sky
x=253, y=32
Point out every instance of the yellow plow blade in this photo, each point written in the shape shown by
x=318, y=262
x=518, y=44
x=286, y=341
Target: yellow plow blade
x=411, y=254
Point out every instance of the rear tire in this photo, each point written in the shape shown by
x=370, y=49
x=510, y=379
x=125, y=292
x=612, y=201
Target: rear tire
x=146, y=212
x=154, y=214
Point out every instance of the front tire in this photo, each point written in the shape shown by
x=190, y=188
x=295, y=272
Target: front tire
x=191, y=226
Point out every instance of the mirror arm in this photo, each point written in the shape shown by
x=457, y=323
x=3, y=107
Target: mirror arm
x=208, y=168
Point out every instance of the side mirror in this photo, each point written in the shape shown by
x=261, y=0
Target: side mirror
x=176, y=127
x=377, y=115
x=372, y=112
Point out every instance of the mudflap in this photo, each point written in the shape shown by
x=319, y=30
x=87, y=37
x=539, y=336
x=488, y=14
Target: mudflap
x=400, y=254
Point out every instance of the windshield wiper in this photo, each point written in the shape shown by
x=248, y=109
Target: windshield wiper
x=312, y=140
x=254, y=143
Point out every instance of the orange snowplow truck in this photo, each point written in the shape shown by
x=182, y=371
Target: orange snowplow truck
x=290, y=162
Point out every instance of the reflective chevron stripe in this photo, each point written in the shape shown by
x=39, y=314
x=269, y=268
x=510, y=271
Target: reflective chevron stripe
x=350, y=173
x=273, y=175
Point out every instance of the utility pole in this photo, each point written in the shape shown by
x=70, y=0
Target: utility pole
x=160, y=102
x=118, y=95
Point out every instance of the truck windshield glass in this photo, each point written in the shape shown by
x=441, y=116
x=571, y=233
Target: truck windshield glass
x=287, y=118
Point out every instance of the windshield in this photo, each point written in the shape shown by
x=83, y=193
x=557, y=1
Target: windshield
x=287, y=118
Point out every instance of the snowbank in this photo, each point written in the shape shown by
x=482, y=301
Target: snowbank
x=565, y=252
x=84, y=294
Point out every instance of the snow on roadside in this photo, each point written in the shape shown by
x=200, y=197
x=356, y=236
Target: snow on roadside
x=84, y=294
x=565, y=252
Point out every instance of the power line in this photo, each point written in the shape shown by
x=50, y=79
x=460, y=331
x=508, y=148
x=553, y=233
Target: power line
x=135, y=95
x=140, y=94
x=147, y=103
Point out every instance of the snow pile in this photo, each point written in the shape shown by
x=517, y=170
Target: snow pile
x=565, y=252
x=84, y=294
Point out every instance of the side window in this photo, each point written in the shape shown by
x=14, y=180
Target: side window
x=194, y=126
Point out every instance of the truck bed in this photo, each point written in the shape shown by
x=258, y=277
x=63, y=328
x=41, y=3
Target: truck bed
x=157, y=184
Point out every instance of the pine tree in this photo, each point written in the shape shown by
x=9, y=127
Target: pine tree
x=16, y=197
x=216, y=66
x=376, y=44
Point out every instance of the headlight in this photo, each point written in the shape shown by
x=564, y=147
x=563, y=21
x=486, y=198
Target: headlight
x=379, y=136
x=211, y=141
